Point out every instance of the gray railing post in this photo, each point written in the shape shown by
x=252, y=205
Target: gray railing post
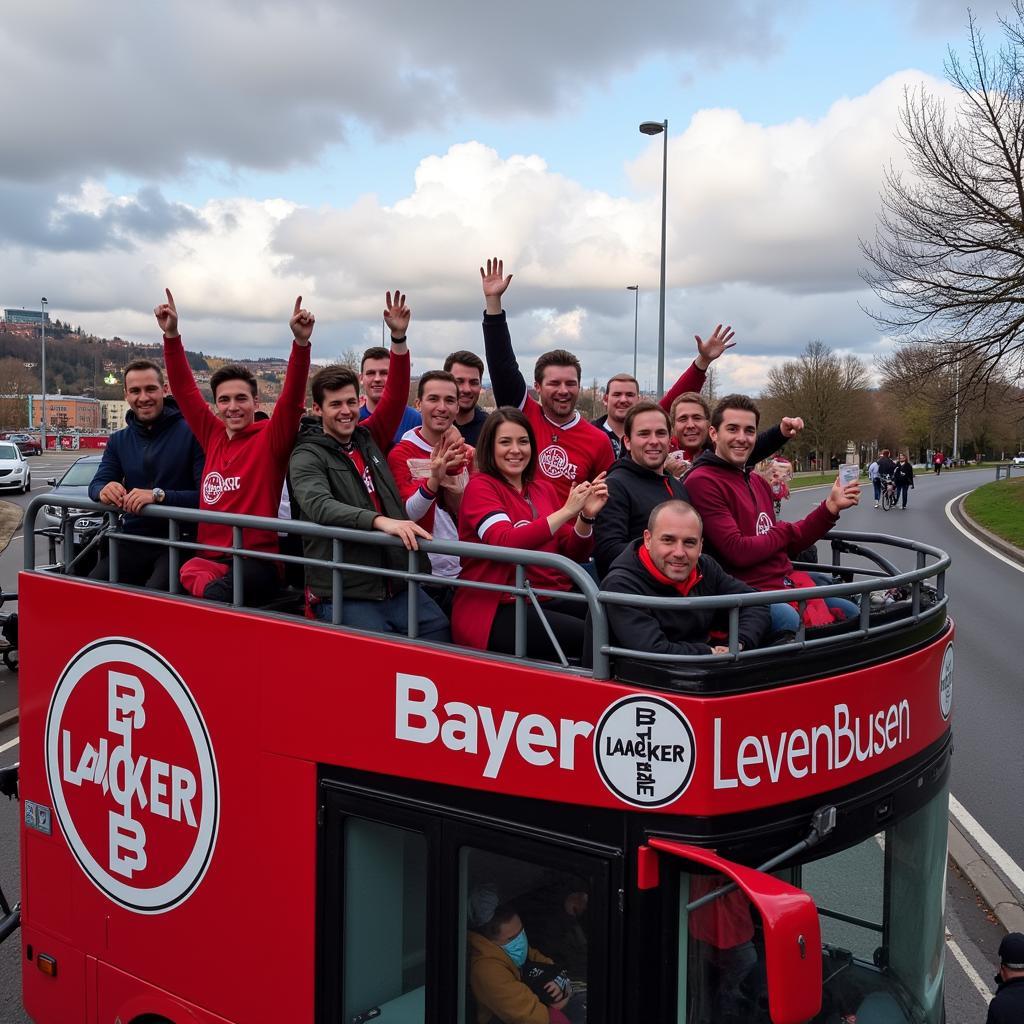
x=412, y=596
x=337, y=582
x=237, y=571
x=174, y=556
x=113, y=550
x=520, y=612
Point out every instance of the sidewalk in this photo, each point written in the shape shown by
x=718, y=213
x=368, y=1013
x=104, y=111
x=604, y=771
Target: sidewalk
x=992, y=885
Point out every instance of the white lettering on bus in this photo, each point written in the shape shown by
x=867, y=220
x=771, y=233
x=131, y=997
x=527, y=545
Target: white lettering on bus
x=417, y=721
x=797, y=752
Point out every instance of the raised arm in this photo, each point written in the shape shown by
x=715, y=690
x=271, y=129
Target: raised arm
x=507, y=381
x=693, y=377
x=284, y=424
x=193, y=406
x=383, y=421
x=771, y=440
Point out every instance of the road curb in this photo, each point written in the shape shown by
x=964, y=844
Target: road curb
x=1004, y=547
x=9, y=718
x=992, y=889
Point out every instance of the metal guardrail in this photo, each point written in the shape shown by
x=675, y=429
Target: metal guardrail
x=931, y=564
x=1005, y=470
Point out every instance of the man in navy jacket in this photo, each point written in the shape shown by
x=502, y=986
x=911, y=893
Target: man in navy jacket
x=154, y=459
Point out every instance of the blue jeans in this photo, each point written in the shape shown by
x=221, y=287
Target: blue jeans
x=877, y=485
x=390, y=615
x=786, y=619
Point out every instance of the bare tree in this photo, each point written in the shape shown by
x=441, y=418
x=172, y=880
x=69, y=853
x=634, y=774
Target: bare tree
x=947, y=259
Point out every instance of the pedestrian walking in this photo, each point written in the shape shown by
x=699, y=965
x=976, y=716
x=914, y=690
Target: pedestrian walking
x=876, y=480
x=1007, y=1007
x=903, y=475
x=938, y=461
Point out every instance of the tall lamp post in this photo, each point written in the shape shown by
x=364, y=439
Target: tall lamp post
x=42, y=335
x=636, y=314
x=657, y=128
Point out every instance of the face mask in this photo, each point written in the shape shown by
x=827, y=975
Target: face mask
x=517, y=948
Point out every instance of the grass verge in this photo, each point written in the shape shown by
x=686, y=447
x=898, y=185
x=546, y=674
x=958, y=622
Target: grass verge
x=999, y=507
x=11, y=516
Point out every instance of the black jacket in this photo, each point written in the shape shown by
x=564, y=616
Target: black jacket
x=633, y=493
x=674, y=630
x=164, y=454
x=1008, y=1005
x=617, y=446
x=886, y=466
x=903, y=474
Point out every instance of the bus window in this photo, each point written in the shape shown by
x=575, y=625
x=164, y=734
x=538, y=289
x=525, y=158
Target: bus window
x=526, y=941
x=384, y=923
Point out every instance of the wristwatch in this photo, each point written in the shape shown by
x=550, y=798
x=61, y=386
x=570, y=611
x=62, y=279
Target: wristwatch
x=159, y=494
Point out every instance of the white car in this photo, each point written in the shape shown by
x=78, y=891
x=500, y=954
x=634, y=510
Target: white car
x=14, y=471
x=1018, y=459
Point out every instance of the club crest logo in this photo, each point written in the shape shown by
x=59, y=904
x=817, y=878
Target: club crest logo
x=554, y=463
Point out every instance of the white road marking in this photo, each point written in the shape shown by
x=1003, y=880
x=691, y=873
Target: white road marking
x=995, y=853
x=970, y=536
x=9, y=744
x=972, y=975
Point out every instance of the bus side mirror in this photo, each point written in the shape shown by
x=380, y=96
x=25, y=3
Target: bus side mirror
x=792, y=934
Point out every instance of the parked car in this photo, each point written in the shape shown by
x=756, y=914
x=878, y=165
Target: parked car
x=75, y=484
x=14, y=471
x=26, y=442
x=1018, y=459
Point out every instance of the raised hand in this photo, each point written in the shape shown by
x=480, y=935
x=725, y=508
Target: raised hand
x=167, y=316
x=720, y=340
x=841, y=497
x=397, y=315
x=494, y=283
x=791, y=426
x=301, y=323
x=577, y=498
x=597, y=497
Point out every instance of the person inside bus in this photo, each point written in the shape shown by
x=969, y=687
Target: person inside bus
x=508, y=503
x=690, y=417
x=667, y=562
x=154, y=459
x=468, y=370
x=636, y=484
x=739, y=518
x=511, y=982
x=246, y=461
x=430, y=465
x=339, y=477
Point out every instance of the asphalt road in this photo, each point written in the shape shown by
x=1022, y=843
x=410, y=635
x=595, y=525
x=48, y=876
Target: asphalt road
x=985, y=597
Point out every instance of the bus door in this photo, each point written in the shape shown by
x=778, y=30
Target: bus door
x=749, y=944
x=423, y=912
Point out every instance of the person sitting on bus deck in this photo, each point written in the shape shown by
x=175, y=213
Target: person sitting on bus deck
x=373, y=378
x=690, y=417
x=154, y=459
x=571, y=448
x=739, y=518
x=668, y=562
x=468, y=370
x=499, y=950
x=430, y=467
x=339, y=477
x=509, y=504
x=622, y=391
x=246, y=461
x=636, y=484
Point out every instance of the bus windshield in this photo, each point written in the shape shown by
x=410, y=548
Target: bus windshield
x=880, y=905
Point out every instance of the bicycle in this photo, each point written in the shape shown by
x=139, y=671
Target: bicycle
x=889, y=495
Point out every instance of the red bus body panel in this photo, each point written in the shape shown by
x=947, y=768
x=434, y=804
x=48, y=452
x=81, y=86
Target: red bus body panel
x=270, y=717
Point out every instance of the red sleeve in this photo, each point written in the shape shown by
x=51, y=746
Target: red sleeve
x=484, y=504
x=721, y=529
x=812, y=528
x=398, y=463
x=383, y=421
x=284, y=424
x=604, y=457
x=193, y=406
x=692, y=379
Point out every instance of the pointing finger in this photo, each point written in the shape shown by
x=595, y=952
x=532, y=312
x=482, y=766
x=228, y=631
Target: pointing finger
x=170, y=299
x=298, y=306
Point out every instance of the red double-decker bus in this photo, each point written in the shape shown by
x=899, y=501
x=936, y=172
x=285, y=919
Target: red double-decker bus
x=241, y=815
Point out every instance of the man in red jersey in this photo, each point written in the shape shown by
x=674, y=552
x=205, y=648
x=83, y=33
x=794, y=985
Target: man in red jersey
x=570, y=449
x=246, y=461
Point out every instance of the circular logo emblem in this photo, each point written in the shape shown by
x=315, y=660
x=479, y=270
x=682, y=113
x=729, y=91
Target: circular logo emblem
x=946, y=682
x=132, y=775
x=554, y=462
x=764, y=524
x=213, y=488
x=645, y=751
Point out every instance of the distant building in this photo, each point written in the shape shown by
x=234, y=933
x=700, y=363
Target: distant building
x=65, y=412
x=26, y=316
x=112, y=414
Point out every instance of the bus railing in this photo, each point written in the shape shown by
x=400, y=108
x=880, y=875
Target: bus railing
x=925, y=583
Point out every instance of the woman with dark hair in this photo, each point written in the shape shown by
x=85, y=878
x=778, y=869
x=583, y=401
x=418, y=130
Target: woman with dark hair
x=904, y=477
x=508, y=504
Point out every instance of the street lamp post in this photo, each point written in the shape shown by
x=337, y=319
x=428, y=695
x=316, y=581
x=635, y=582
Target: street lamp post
x=657, y=128
x=636, y=314
x=42, y=335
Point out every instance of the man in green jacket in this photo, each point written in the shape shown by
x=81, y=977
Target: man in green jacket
x=339, y=477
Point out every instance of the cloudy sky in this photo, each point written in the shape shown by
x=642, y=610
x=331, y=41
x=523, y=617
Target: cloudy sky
x=243, y=152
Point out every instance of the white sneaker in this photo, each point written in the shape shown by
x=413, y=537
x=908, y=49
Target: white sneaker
x=876, y=504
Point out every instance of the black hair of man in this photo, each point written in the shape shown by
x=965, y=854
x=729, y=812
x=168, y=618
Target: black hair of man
x=556, y=357
x=233, y=371
x=465, y=358
x=333, y=378
x=639, y=409
x=742, y=402
x=141, y=365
